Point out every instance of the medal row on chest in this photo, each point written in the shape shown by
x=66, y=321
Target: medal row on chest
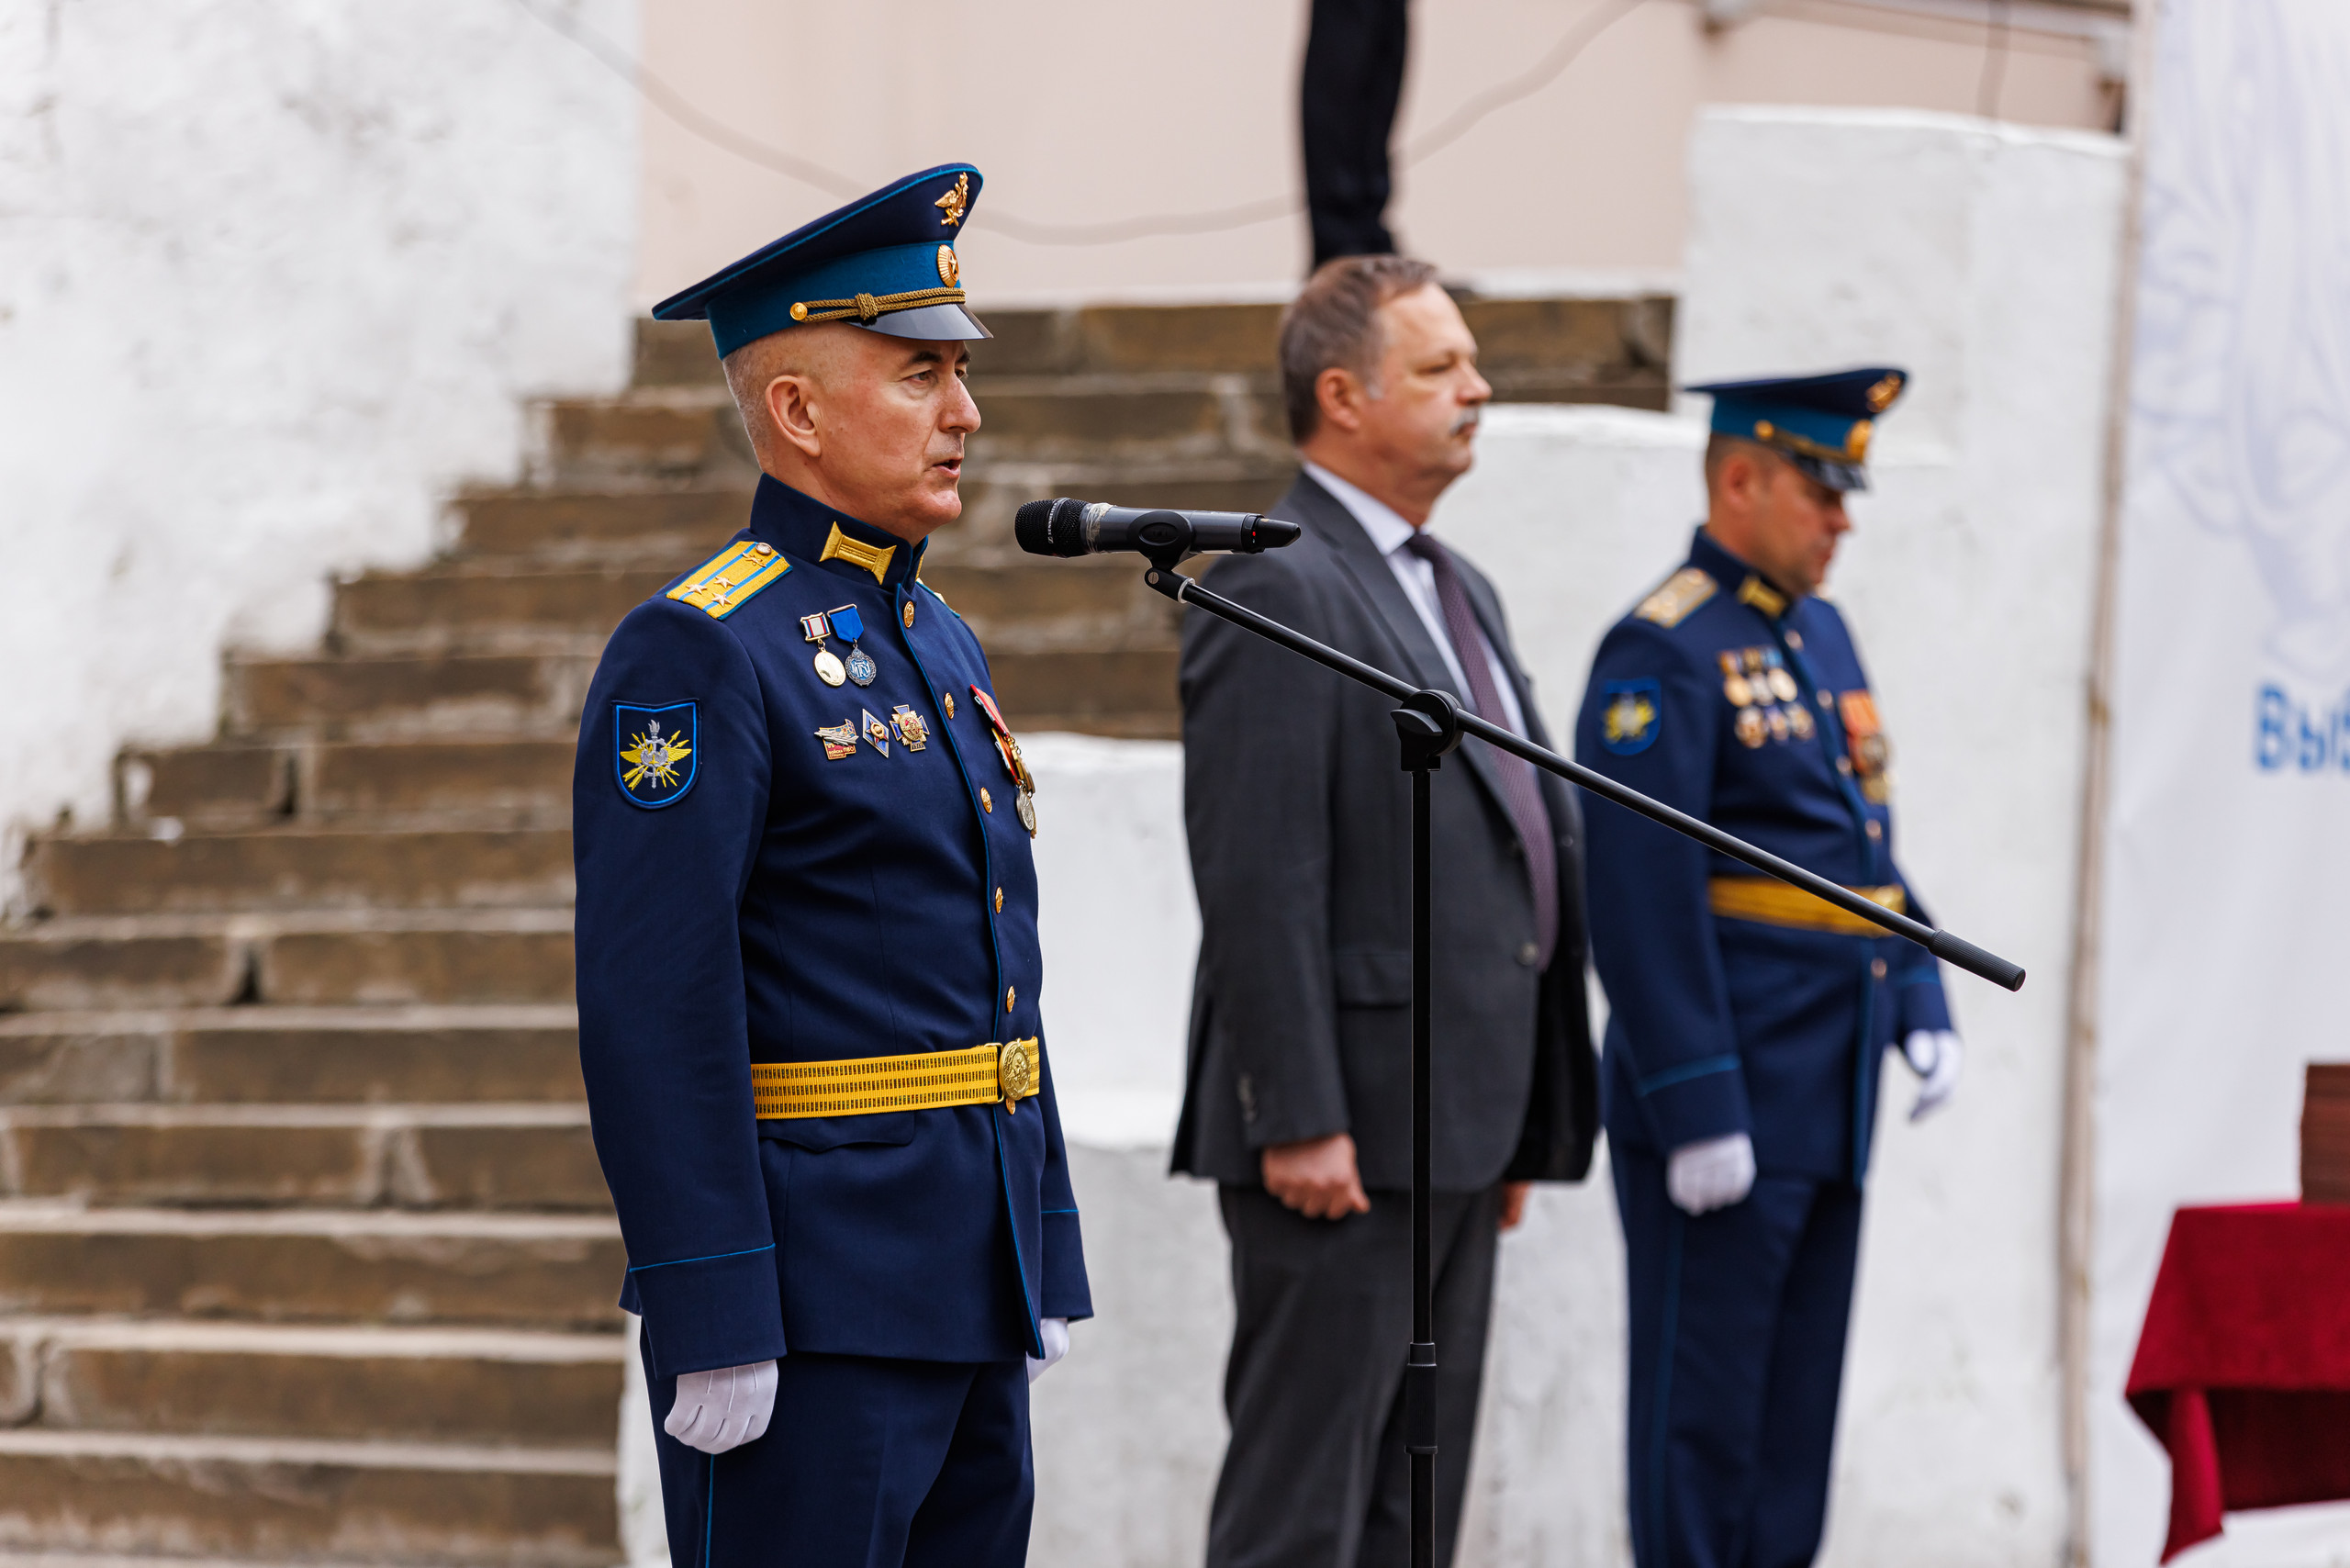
x=1760, y=686
x=913, y=732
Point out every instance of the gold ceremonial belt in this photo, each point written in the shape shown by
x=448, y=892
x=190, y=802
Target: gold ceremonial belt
x=1778, y=903
x=784, y=1090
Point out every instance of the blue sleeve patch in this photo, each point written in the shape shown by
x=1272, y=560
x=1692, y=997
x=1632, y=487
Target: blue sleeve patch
x=656, y=751
x=1630, y=713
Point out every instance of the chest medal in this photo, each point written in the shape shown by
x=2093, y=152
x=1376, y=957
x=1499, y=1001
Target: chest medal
x=815, y=628
x=1014, y=764
x=848, y=625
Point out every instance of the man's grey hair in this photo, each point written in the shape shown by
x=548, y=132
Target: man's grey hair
x=1333, y=324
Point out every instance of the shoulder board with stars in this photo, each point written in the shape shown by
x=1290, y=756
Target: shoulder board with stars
x=725, y=583
x=1684, y=592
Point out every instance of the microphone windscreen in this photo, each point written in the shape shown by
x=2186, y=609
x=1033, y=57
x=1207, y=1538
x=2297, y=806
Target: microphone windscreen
x=1050, y=528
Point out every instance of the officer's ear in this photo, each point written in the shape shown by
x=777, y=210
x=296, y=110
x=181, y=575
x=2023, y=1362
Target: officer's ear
x=790, y=401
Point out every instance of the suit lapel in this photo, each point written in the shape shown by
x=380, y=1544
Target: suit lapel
x=1363, y=566
x=1361, y=563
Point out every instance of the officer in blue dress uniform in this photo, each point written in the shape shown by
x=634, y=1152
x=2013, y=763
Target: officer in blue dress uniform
x=1748, y=1018
x=808, y=973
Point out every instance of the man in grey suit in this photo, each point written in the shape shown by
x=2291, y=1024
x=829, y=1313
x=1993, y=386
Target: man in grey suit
x=1299, y=1094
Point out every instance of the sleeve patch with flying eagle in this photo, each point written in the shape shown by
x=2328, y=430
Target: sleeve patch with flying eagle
x=1684, y=592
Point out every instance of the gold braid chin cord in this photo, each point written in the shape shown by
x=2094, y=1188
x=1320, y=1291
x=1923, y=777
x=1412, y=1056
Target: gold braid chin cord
x=867, y=307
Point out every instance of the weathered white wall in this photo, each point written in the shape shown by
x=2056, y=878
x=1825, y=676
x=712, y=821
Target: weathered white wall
x=273, y=277
x=1085, y=114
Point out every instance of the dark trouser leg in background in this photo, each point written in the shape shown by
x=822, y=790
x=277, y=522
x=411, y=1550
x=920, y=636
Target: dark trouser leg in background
x=1353, y=79
x=1316, y=1474
x=868, y=1463
x=1738, y=1321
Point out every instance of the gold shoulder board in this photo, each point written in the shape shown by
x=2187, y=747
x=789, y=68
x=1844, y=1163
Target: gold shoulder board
x=725, y=583
x=1684, y=592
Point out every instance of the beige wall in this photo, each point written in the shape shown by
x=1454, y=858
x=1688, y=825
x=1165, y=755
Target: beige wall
x=1086, y=111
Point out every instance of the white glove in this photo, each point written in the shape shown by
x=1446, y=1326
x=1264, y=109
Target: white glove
x=1936, y=1055
x=1054, y=1332
x=723, y=1410
x=1711, y=1174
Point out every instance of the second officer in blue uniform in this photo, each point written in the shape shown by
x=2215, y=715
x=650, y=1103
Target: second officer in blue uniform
x=808, y=973
x=1747, y=1017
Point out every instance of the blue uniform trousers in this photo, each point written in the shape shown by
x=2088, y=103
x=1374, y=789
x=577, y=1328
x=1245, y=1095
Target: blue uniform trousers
x=869, y=1462
x=1738, y=1323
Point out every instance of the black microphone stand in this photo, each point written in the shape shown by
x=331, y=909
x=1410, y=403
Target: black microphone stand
x=1428, y=724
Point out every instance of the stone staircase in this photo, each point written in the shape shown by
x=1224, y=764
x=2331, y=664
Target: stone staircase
x=304, y=1251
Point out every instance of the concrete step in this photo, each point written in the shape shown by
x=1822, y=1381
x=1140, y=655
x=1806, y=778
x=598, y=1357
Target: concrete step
x=480, y=1156
x=301, y=868
x=411, y=1056
x=316, y=958
x=680, y=439
x=444, y=1385
x=1123, y=692
x=408, y=696
x=478, y=603
x=295, y=1266
x=293, y=1500
x=685, y=526
x=231, y=784
x=1626, y=339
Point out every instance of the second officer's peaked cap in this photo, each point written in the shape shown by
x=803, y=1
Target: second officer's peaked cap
x=1821, y=423
x=885, y=262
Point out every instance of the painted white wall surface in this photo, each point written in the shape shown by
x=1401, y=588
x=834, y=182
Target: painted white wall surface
x=273, y=279
x=1985, y=265
x=1179, y=123
x=2225, y=853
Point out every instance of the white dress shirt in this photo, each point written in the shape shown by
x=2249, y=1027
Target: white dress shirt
x=1389, y=535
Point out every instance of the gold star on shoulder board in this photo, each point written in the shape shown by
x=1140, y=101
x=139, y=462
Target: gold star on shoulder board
x=953, y=203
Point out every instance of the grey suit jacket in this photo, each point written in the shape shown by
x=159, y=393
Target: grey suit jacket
x=1299, y=815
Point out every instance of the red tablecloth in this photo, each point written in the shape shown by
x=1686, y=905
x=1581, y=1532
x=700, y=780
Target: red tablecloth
x=2244, y=1365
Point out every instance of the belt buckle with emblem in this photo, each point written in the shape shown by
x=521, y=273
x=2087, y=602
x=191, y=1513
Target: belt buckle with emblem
x=1011, y=1072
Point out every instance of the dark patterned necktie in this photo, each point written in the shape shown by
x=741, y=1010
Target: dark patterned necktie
x=1521, y=792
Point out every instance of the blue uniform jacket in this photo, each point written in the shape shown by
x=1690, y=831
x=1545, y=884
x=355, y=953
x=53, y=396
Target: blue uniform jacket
x=760, y=898
x=1721, y=1024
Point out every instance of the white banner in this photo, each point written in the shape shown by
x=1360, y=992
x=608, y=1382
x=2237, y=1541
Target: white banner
x=2227, y=828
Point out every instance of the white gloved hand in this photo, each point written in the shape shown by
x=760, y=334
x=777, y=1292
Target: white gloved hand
x=1054, y=1332
x=1710, y=1174
x=1936, y=1055
x=723, y=1410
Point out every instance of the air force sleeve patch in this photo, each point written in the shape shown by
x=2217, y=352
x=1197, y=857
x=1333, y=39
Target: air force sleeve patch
x=656, y=751
x=1629, y=715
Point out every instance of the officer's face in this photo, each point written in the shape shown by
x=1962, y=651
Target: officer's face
x=1796, y=524
x=882, y=422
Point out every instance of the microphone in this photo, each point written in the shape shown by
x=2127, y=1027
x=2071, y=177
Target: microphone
x=1066, y=527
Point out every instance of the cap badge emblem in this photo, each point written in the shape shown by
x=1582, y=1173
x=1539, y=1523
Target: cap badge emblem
x=949, y=269
x=953, y=203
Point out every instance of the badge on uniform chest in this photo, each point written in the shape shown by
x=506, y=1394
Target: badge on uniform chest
x=848, y=625
x=1008, y=749
x=1758, y=684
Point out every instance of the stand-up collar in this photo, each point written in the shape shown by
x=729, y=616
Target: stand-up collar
x=809, y=531
x=1738, y=580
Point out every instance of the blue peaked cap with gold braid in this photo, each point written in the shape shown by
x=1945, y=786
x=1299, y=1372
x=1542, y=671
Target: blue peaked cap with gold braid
x=1820, y=423
x=885, y=262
